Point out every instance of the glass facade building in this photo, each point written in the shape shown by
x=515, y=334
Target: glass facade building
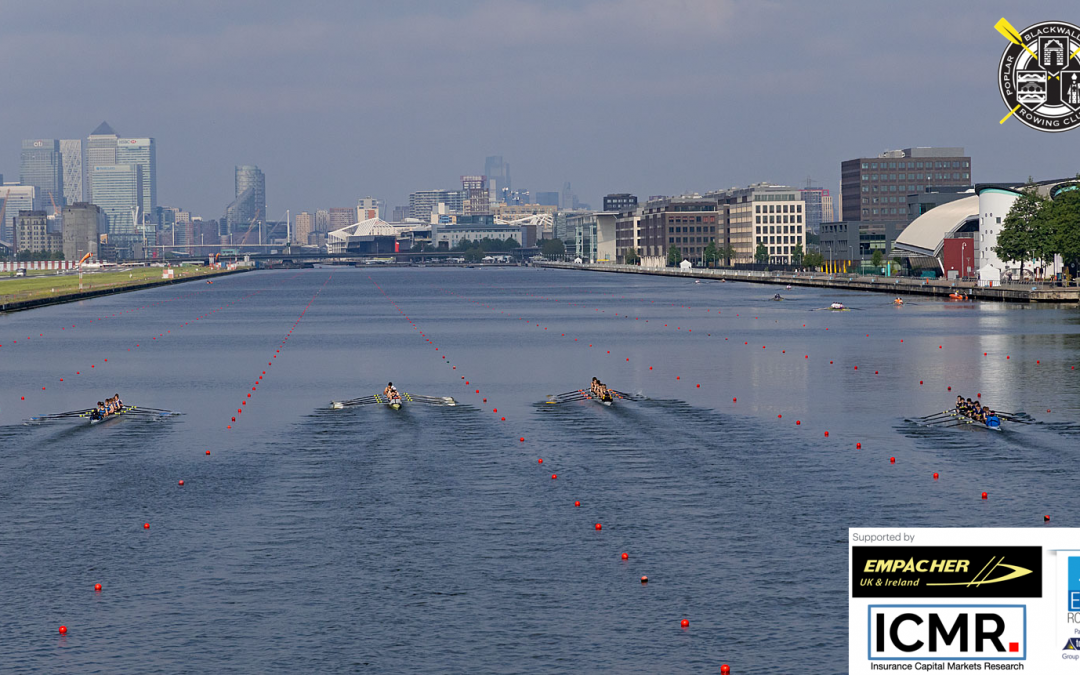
x=251, y=177
x=142, y=153
x=42, y=167
x=117, y=190
x=16, y=198
x=100, y=151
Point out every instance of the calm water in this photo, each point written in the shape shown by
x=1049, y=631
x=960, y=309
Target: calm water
x=430, y=539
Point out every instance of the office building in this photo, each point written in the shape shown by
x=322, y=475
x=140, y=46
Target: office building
x=303, y=227
x=15, y=198
x=41, y=166
x=475, y=196
x=919, y=203
x=83, y=225
x=141, y=153
x=850, y=245
x=250, y=177
x=497, y=173
x=71, y=156
x=342, y=217
x=241, y=218
x=400, y=213
x=100, y=151
x=688, y=223
x=876, y=188
x=117, y=189
x=322, y=220
x=779, y=221
x=424, y=202
x=568, y=200
x=620, y=202
x=32, y=233
x=547, y=199
x=819, y=207
x=368, y=208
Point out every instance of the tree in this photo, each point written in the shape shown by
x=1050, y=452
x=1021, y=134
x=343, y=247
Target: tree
x=552, y=247
x=813, y=259
x=463, y=245
x=797, y=255
x=710, y=254
x=761, y=255
x=631, y=257
x=510, y=244
x=1061, y=218
x=474, y=254
x=728, y=253
x=1023, y=232
x=674, y=256
x=876, y=258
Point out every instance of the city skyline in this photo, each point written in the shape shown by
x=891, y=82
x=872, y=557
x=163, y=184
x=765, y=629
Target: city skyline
x=942, y=94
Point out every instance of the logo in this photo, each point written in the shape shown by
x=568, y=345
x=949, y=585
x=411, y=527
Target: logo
x=948, y=572
x=1039, y=75
x=1074, y=583
x=1072, y=645
x=947, y=632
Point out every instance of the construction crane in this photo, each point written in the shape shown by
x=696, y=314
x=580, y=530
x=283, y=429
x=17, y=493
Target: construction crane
x=55, y=208
x=251, y=225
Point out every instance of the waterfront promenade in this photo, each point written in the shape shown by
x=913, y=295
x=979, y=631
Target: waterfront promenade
x=941, y=288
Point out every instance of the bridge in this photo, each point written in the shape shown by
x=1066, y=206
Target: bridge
x=301, y=256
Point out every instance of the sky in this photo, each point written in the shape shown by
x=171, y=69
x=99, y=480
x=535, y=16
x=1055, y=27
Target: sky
x=336, y=100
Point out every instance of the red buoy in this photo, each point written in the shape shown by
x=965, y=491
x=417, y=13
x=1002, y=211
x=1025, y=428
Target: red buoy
x=797, y=422
x=97, y=587
x=598, y=526
x=644, y=580
x=625, y=556
x=522, y=439
x=577, y=503
x=553, y=476
x=146, y=526
x=208, y=452
x=935, y=475
x=540, y=461
x=63, y=630
x=826, y=434
x=858, y=446
x=984, y=495
x=725, y=669
x=1046, y=519
x=685, y=623
x=892, y=460
x=180, y=483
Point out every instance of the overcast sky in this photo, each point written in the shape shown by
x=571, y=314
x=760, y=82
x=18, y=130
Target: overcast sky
x=336, y=100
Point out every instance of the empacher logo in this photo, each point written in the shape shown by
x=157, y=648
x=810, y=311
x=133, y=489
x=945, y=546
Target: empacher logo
x=947, y=632
x=946, y=572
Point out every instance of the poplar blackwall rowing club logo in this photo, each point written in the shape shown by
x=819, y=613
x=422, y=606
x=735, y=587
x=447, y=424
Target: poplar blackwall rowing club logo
x=1039, y=75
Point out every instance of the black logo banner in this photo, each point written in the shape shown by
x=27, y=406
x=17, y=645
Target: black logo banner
x=946, y=571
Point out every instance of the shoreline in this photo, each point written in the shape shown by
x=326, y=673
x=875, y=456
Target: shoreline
x=24, y=305
x=893, y=285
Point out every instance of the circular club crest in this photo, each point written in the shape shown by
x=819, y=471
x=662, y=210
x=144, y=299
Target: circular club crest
x=1040, y=79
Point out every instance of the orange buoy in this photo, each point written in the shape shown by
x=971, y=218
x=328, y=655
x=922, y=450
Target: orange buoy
x=644, y=580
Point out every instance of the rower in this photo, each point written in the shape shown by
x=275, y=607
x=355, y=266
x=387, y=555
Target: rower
x=836, y=305
x=594, y=386
x=119, y=403
x=992, y=420
x=391, y=391
x=603, y=392
x=777, y=297
x=899, y=301
x=98, y=412
x=959, y=403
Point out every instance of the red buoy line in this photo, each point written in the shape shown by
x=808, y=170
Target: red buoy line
x=598, y=527
x=153, y=339
x=234, y=418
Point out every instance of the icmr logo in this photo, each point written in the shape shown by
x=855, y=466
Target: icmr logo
x=947, y=632
x=1039, y=74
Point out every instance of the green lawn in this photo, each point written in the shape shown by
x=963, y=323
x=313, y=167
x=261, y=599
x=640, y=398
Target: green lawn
x=54, y=285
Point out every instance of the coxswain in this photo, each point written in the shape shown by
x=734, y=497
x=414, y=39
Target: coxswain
x=603, y=392
x=98, y=412
x=992, y=420
x=898, y=301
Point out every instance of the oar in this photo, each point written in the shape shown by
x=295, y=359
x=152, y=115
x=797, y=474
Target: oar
x=1012, y=35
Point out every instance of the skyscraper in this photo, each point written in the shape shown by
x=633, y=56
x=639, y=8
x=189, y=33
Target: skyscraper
x=322, y=220
x=71, y=155
x=423, y=202
x=118, y=189
x=100, y=151
x=819, y=207
x=249, y=176
x=16, y=198
x=42, y=167
x=498, y=178
x=141, y=153
x=241, y=217
x=476, y=201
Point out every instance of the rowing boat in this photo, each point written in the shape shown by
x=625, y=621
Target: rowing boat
x=98, y=420
x=962, y=419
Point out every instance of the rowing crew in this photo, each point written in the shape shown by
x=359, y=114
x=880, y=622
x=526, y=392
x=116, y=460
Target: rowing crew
x=391, y=393
x=976, y=411
x=109, y=406
x=600, y=390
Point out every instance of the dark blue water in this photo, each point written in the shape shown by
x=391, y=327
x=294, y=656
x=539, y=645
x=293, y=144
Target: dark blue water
x=430, y=539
